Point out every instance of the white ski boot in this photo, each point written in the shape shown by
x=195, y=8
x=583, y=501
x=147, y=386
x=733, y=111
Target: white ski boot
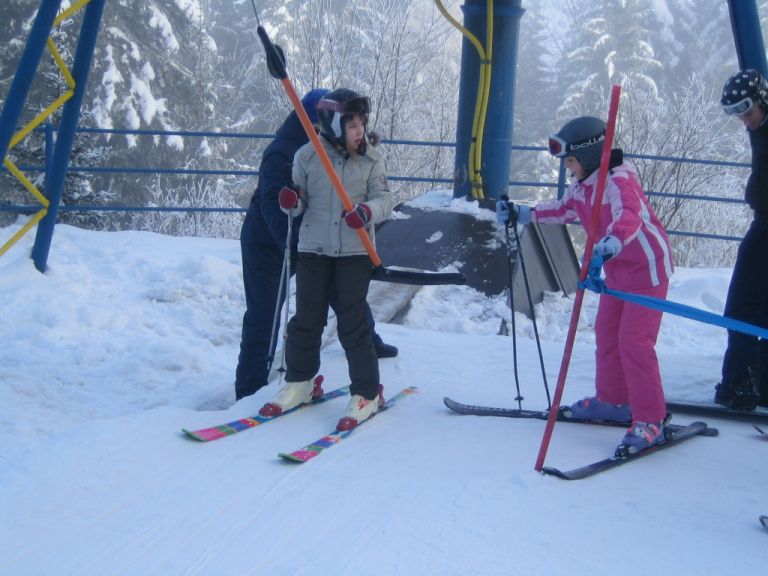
x=360, y=409
x=291, y=395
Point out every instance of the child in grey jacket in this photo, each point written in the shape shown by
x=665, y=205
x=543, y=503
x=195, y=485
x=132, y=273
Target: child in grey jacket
x=333, y=267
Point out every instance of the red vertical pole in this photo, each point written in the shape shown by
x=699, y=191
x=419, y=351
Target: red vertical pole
x=602, y=177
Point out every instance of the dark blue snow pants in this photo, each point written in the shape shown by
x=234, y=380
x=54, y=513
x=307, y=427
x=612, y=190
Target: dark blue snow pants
x=748, y=301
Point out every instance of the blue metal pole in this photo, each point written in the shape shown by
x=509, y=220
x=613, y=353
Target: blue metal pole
x=747, y=35
x=25, y=71
x=497, y=139
x=49, y=145
x=70, y=116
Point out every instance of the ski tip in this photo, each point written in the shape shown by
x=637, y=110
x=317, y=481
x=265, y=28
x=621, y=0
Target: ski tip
x=549, y=471
x=298, y=456
x=286, y=457
x=193, y=435
x=706, y=430
x=404, y=392
x=454, y=405
x=764, y=521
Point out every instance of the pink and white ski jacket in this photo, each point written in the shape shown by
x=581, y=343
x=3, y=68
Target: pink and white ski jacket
x=645, y=259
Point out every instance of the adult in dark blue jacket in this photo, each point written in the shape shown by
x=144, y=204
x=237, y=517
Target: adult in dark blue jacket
x=262, y=243
x=745, y=363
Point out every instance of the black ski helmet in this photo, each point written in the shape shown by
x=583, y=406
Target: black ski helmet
x=332, y=109
x=743, y=90
x=581, y=138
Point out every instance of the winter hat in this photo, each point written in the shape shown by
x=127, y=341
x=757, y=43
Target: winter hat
x=310, y=100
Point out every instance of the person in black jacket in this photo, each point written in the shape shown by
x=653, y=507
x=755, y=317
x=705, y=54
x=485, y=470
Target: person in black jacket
x=745, y=365
x=262, y=243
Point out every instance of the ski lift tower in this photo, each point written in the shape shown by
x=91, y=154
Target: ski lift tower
x=747, y=35
x=496, y=140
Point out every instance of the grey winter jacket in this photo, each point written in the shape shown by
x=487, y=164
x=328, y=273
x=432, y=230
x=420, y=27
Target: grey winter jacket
x=323, y=230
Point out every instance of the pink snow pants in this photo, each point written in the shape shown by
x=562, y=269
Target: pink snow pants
x=627, y=370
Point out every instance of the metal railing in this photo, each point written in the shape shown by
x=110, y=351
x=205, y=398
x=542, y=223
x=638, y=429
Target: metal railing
x=560, y=184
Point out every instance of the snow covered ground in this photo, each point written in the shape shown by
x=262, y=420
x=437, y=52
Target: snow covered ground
x=131, y=336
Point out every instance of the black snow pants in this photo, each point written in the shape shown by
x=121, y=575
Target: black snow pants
x=340, y=283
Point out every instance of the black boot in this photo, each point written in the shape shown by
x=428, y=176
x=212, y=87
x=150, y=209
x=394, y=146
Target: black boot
x=741, y=395
x=383, y=350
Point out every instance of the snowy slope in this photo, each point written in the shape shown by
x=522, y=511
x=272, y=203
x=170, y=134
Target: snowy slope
x=131, y=336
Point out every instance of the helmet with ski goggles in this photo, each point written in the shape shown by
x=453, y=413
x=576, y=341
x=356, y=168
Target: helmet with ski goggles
x=581, y=138
x=334, y=106
x=742, y=91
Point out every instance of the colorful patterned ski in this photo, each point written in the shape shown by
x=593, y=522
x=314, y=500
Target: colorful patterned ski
x=223, y=430
x=313, y=449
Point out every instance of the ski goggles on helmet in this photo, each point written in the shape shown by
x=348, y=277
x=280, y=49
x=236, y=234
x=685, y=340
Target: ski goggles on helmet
x=359, y=105
x=560, y=148
x=557, y=146
x=738, y=108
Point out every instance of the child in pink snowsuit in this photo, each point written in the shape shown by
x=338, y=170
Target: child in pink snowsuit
x=637, y=259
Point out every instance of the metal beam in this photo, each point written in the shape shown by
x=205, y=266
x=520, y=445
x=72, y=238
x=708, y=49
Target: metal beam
x=70, y=116
x=747, y=35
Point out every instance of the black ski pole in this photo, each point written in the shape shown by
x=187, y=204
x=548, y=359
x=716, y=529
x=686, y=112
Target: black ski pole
x=533, y=316
x=511, y=292
x=283, y=294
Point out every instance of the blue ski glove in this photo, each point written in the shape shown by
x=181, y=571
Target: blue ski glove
x=593, y=281
x=503, y=213
x=608, y=247
x=510, y=214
